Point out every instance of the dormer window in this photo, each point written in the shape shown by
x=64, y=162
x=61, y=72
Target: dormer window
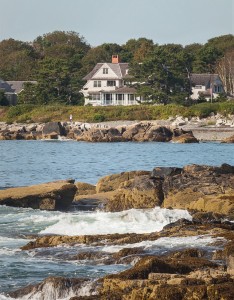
x=105, y=70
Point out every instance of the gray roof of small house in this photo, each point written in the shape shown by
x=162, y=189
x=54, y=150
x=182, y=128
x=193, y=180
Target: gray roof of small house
x=204, y=79
x=119, y=69
x=14, y=87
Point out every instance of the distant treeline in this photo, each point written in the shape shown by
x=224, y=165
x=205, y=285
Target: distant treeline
x=59, y=60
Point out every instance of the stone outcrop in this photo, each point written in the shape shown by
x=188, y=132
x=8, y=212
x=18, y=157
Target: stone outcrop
x=142, y=132
x=140, y=192
x=215, y=127
x=84, y=188
x=194, y=187
x=229, y=140
x=57, y=195
x=185, y=139
x=182, y=274
x=201, y=188
x=52, y=288
x=52, y=130
x=113, y=182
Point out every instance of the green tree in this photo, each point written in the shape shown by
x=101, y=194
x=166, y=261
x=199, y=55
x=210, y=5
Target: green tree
x=18, y=60
x=60, y=44
x=163, y=78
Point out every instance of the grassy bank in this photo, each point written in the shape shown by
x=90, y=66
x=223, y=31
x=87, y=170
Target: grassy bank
x=34, y=113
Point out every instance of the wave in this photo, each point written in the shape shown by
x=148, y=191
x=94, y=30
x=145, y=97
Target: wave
x=51, y=289
x=168, y=243
x=129, y=221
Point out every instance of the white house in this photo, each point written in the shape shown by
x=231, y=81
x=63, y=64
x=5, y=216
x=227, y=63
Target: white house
x=207, y=85
x=106, y=85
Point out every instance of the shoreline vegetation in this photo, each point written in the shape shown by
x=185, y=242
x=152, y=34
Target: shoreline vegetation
x=29, y=113
x=171, y=123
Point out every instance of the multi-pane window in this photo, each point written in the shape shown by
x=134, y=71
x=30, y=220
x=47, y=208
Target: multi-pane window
x=131, y=98
x=108, y=97
x=97, y=83
x=94, y=96
x=105, y=70
x=119, y=96
x=111, y=83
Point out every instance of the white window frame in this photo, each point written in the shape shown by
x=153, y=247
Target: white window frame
x=97, y=83
x=105, y=70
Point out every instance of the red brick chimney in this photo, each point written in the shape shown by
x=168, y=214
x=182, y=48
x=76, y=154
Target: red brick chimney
x=115, y=59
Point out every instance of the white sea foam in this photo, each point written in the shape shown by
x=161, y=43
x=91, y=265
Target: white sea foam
x=129, y=221
x=49, y=292
x=169, y=243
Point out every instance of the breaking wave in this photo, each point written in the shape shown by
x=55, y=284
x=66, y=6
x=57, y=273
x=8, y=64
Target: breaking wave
x=129, y=221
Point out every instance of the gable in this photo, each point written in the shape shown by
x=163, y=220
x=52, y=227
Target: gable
x=105, y=72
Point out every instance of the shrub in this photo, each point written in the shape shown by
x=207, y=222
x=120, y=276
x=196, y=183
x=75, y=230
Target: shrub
x=99, y=118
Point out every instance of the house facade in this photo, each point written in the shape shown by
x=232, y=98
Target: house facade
x=107, y=85
x=207, y=85
x=12, y=89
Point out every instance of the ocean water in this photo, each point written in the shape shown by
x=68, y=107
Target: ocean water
x=32, y=162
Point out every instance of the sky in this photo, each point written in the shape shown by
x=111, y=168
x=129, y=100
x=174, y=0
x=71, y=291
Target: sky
x=104, y=21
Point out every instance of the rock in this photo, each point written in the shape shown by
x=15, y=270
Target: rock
x=201, y=188
x=84, y=188
x=53, y=288
x=162, y=172
x=140, y=192
x=93, y=135
x=51, y=136
x=185, y=138
x=154, y=264
x=179, y=121
x=112, y=182
x=229, y=140
x=92, y=201
x=53, y=129
x=230, y=264
x=55, y=195
x=142, y=132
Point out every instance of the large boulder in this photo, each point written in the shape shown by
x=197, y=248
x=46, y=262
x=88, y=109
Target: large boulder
x=139, y=192
x=201, y=188
x=112, y=182
x=53, y=129
x=229, y=140
x=185, y=138
x=52, y=288
x=99, y=135
x=57, y=195
x=146, y=131
x=84, y=188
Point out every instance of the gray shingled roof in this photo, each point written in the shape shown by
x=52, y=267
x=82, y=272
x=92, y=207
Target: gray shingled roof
x=119, y=69
x=94, y=71
x=13, y=86
x=125, y=90
x=204, y=79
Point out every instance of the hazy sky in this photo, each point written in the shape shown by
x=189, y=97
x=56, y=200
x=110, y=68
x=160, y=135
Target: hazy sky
x=105, y=21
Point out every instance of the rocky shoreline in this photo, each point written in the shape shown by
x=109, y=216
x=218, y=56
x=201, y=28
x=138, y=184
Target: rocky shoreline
x=179, y=130
x=207, y=192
